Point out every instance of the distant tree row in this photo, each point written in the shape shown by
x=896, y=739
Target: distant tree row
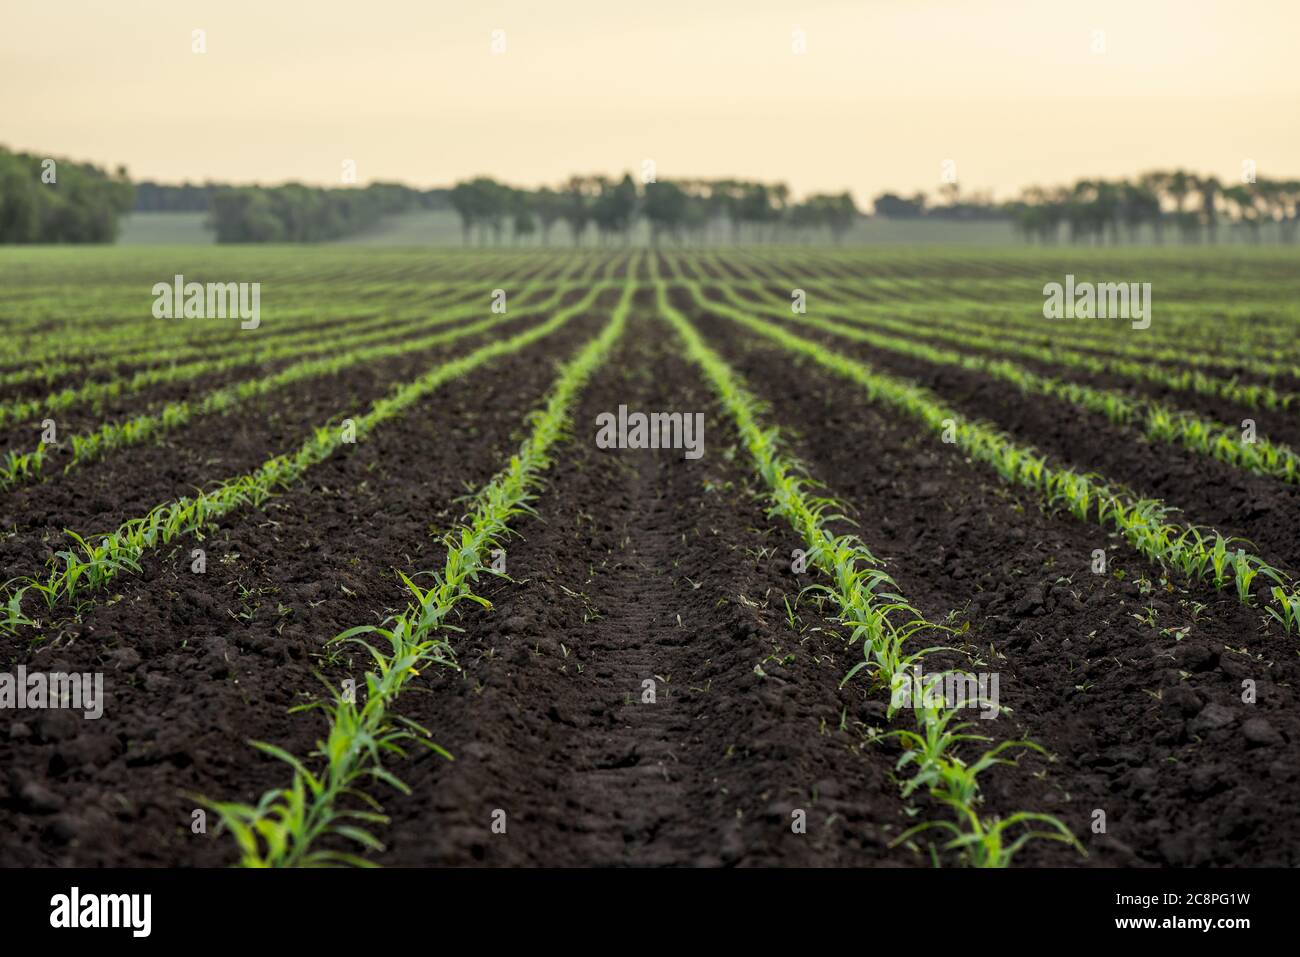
x=294, y=213
x=684, y=210
x=151, y=197
x=47, y=200
x=51, y=200
x=977, y=207
x=1191, y=206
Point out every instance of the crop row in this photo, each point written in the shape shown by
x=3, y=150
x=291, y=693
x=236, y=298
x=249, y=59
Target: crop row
x=1157, y=420
x=927, y=305
x=343, y=316
x=286, y=825
x=1127, y=358
x=1241, y=326
x=19, y=468
x=332, y=310
x=123, y=326
x=1182, y=342
x=1197, y=553
x=316, y=335
x=976, y=336
x=88, y=565
x=871, y=609
x=95, y=393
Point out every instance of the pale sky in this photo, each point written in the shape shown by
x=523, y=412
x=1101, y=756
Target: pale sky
x=887, y=90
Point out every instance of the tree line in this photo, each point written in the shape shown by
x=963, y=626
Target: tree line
x=294, y=213
x=1188, y=205
x=151, y=197
x=683, y=210
x=52, y=200
x=45, y=200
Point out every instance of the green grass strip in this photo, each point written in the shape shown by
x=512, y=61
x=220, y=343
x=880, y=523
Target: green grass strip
x=1200, y=554
x=870, y=606
x=286, y=825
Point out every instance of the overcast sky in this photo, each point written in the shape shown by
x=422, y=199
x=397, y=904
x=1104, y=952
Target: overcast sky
x=1011, y=91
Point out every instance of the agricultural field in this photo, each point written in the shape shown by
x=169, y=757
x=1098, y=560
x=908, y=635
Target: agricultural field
x=388, y=573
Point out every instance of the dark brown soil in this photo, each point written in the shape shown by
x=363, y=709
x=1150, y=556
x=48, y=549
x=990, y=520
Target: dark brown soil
x=1145, y=722
x=196, y=665
x=646, y=567
x=400, y=303
x=1280, y=425
x=86, y=417
x=1262, y=510
x=97, y=498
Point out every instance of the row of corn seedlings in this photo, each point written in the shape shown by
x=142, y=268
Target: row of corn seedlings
x=1218, y=334
x=126, y=331
x=1202, y=555
x=922, y=317
x=21, y=467
x=1197, y=306
x=1157, y=420
x=933, y=318
x=163, y=367
x=1209, y=320
x=311, y=342
x=285, y=827
x=873, y=611
x=1137, y=367
x=87, y=565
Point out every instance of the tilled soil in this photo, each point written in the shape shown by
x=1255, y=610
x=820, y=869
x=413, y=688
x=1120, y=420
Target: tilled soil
x=649, y=689
x=1278, y=424
x=89, y=416
x=197, y=665
x=1262, y=510
x=1134, y=686
x=646, y=567
x=267, y=336
x=97, y=497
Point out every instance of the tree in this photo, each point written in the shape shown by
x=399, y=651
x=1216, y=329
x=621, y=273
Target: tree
x=1139, y=205
x=523, y=221
x=464, y=200
x=755, y=207
x=1157, y=185
x=79, y=203
x=302, y=214
x=548, y=205
x=665, y=208
x=1209, y=189
x=835, y=212
x=576, y=208
x=1242, y=201
x=841, y=214
x=895, y=207
x=614, y=206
